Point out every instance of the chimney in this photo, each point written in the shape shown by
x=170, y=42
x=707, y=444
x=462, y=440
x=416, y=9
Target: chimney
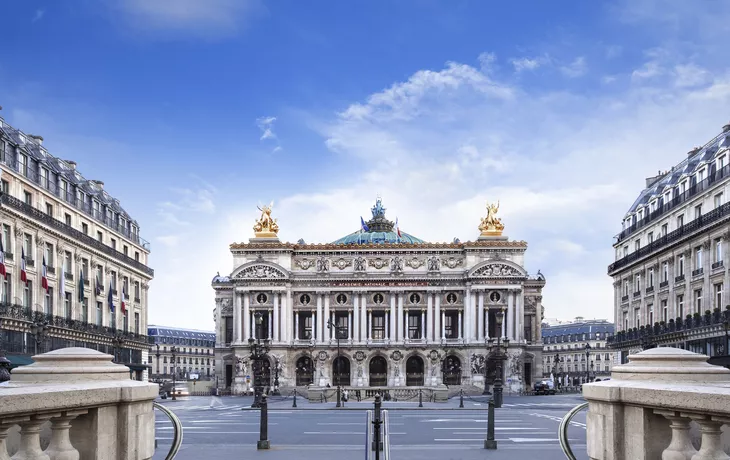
x=35, y=137
x=653, y=180
x=72, y=164
x=725, y=128
x=99, y=183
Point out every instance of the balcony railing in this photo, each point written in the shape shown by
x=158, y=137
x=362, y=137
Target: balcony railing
x=649, y=289
x=718, y=264
x=637, y=294
x=663, y=284
x=697, y=272
x=69, y=276
x=665, y=208
x=710, y=219
x=625, y=298
x=30, y=211
x=678, y=279
x=19, y=312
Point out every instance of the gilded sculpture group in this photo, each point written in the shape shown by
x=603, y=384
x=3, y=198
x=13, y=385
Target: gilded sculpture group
x=266, y=226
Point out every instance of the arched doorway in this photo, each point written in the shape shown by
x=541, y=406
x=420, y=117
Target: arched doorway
x=378, y=372
x=341, y=371
x=452, y=371
x=414, y=371
x=305, y=371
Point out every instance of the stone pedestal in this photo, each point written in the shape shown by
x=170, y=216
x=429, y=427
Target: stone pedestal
x=240, y=387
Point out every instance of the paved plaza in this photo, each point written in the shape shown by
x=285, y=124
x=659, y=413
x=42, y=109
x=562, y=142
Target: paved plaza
x=226, y=428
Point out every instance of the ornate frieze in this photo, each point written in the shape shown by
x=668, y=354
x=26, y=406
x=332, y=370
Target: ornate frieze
x=453, y=262
x=415, y=263
x=359, y=264
x=342, y=263
x=378, y=263
x=304, y=264
x=434, y=264
x=260, y=271
x=498, y=270
x=396, y=264
x=323, y=265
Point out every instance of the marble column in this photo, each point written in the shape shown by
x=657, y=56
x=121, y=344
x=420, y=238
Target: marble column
x=355, y=318
x=480, y=316
x=406, y=336
x=443, y=324
x=423, y=325
x=245, y=333
x=468, y=315
x=429, y=317
x=519, y=318
x=349, y=326
x=438, y=317
x=391, y=332
x=504, y=324
x=236, y=317
x=363, y=316
x=319, y=337
x=315, y=331
x=510, y=314
x=271, y=325
x=486, y=323
x=369, y=325
x=328, y=333
x=296, y=325
x=399, y=328
x=253, y=324
x=275, y=337
x=460, y=323
x=287, y=317
x=387, y=325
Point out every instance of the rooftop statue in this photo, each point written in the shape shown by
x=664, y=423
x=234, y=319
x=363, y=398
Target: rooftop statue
x=265, y=226
x=491, y=225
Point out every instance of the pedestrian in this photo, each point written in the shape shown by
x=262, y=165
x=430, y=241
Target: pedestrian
x=345, y=395
x=358, y=395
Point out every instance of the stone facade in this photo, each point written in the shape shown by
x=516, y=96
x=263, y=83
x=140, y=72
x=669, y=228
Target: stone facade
x=415, y=314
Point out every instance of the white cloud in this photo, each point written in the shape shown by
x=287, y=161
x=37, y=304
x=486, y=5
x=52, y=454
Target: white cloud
x=575, y=69
x=266, y=125
x=209, y=18
x=691, y=75
x=523, y=64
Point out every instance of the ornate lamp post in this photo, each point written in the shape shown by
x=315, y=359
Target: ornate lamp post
x=331, y=325
x=313, y=362
x=486, y=387
x=258, y=354
x=173, y=370
x=499, y=350
x=588, y=359
x=157, y=355
x=277, y=363
x=555, y=367
x=39, y=330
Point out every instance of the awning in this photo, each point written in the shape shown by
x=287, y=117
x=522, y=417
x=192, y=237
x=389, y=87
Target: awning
x=19, y=360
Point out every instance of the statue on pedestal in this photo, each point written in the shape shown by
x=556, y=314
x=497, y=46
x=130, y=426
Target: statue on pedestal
x=266, y=226
x=491, y=225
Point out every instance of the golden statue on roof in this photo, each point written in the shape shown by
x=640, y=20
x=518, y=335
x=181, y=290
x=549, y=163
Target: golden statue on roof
x=491, y=225
x=266, y=226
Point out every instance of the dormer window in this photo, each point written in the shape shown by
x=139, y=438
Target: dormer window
x=721, y=161
x=641, y=214
x=683, y=186
x=701, y=174
x=44, y=177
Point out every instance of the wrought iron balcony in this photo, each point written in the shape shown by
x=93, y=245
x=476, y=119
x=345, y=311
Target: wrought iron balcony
x=697, y=272
x=19, y=312
x=649, y=289
x=30, y=211
x=663, y=284
x=637, y=294
x=625, y=298
x=29, y=262
x=711, y=219
x=679, y=278
x=8, y=256
x=69, y=276
x=718, y=264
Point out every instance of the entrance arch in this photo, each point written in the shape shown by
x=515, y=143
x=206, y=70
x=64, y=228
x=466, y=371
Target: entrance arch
x=305, y=371
x=452, y=371
x=414, y=371
x=341, y=371
x=378, y=372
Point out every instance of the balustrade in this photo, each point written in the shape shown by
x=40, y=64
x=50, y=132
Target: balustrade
x=78, y=404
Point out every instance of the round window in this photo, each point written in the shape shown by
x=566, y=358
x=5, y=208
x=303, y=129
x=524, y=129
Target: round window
x=451, y=297
x=415, y=298
x=341, y=299
x=304, y=299
x=495, y=297
x=261, y=298
x=378, y=298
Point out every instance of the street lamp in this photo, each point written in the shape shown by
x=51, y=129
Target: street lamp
x=39, y=330
x=330, y=326
x=588, y=360
x=258, y=354
x=174, y=350
x=157, y=355
x=118, y=343
x=555, y=367
x=277, y=363
x=486, y=387
x=499, y=350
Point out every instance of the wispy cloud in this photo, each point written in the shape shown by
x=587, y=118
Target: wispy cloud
x=266, y=125
x=575, y=69
x=527, y=64
x=38, y=15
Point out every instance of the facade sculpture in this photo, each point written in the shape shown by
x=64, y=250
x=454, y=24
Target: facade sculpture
x=404, y=308
x=491, y=225
x=266, y=226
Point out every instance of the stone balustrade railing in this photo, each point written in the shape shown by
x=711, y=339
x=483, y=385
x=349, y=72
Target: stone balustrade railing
x=75, y=403
x=666, y=403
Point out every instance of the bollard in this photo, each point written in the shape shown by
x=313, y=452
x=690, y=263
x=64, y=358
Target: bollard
x=490, y=442
x=294, y=404
x=264, y=443
x=461, y=398
x=420, y=397
x=377, y=444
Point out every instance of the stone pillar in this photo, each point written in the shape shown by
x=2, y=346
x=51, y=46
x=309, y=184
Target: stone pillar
x=387, y=325
x=423, y=325
x=328, y=333
x=296, y=325
x=369, y=325
x=254, y=326
x=429, y=317
x=405, y=325
x=480, y=316
x=319, y=335
x=399, y=317
x=237, y=327
x=443, y=324
x=486, y=322
x=349, y=326
x=315, y=332
x=468, y=315
x=276, y=319
x=460, y=331
x=438, y=318
x=393, y=321
x=363, y=316
x=510, y=314
x=520, y=317
x=244, y=322
x=355, y=318
x=287, y=313
x=271, y=324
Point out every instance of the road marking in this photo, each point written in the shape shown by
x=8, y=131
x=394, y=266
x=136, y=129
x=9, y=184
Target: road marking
x=499, y=428
x=359, y=433
x=440, y=420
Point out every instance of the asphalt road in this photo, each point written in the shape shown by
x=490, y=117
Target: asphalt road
x=226, y=428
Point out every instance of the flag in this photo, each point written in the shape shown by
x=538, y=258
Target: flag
x=121, y=300
x=363, y=226
x=111, y=300
x=81, y=285
x=44, y=275
x=397, y=228
x=23, y=275
x=2, y=260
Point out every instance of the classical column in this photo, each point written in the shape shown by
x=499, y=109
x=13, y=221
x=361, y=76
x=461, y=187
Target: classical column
x=287, y=312
x=510, y=314
x=355, y=318
x=296, y=325
x=460, y=319
x=399, y=317
x=429, y=317
x=327, y=332
x=480, y=316
x=253, y=324
x=423, y=325
x=271, y=324
x=387, y=324
x=246, y=323
x=275, y=337
x=438, y=317
x=468, y=315
x=349, y=326
x=504, y=326
x=319, y=337
x=392, y=316
x=315, y=331
x=363, y=316
x=443, y=323
x=370, y=325
x=236, y=318
x=520, y=319
x=405, y=324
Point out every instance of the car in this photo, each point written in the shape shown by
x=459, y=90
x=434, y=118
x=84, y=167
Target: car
x=544, y=387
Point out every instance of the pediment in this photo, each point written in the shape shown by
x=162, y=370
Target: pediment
x=498, y=269
x=260, y=270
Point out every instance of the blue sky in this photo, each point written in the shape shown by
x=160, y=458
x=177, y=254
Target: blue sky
x=194, y=112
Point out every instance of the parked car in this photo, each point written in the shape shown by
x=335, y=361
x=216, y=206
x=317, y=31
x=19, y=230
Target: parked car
x=544, y=387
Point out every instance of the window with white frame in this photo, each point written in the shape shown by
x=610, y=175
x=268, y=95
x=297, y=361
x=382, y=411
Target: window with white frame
x=680, y=305
x=650, y=281
x=718, y=200
x=651, y=314
x=7, y=238
x=698, y=257
x=637, y=282
x=48, y=302
x=680, y=265
x=637, y=317
x=698, y=301
x=718, y=295
x=665, y=311
x=626, y=287
x=680, y=221
x=637, y=245
x=665, y=271
x=28, y=294
x=650, y=237
x=718, y=250
x=7, y=295
x=626, y=250
x=28, y=246
x=67, y=262
x=721, y=162
x=49, y=254
x=67, y=312
x=665, y=229
x=698, y=211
